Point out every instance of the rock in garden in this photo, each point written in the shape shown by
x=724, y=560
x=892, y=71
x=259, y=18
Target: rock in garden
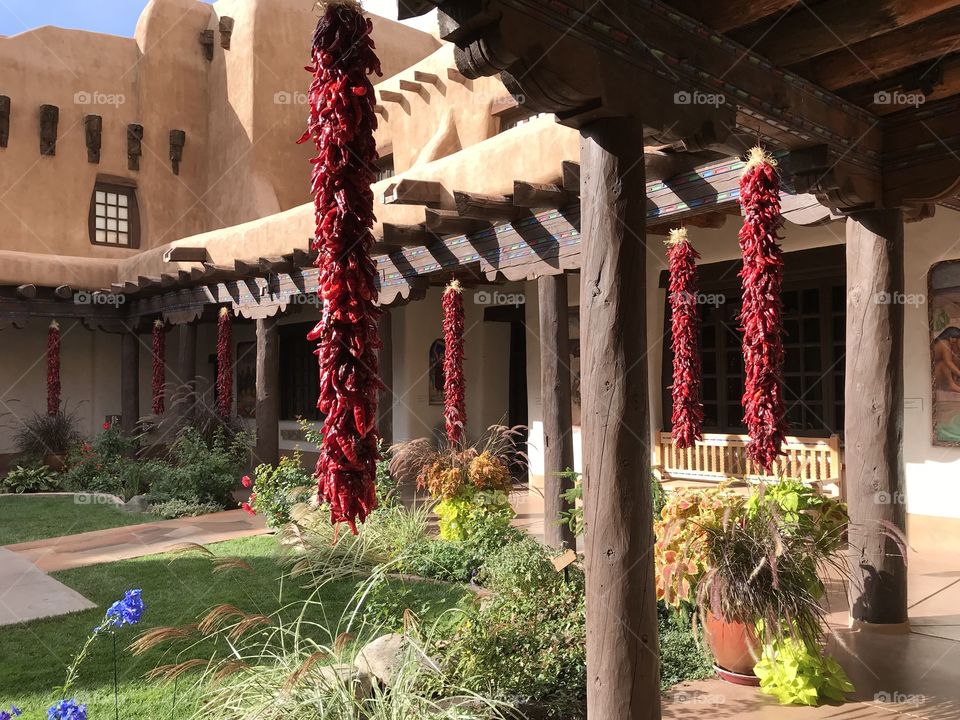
x=333, y=676
x=138, y=504
x=383, y=658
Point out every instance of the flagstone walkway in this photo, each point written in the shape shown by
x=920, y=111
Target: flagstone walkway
x=28, y=593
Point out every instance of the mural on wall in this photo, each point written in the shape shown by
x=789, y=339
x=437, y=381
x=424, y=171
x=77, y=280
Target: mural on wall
x=943, y=301
x=435, y=373
x=245, y=368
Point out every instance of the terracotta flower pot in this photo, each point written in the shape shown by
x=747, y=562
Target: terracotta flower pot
x=54, y=461
x=735, y=648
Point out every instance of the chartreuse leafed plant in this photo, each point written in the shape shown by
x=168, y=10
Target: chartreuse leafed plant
x=796, y=675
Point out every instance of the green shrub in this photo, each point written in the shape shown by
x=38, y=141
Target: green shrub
x=203, y=469
x=106, y=464
x=449, y=560
x=38, y=478
x=574, y=496
x=466, y=513
x=681, y=656
x=277, y=489
x=42, y=434
x=172, y=509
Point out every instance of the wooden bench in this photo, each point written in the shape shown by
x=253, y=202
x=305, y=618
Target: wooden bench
x=721, y=456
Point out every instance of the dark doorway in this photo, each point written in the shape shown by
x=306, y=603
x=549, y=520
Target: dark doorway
x=517, y=371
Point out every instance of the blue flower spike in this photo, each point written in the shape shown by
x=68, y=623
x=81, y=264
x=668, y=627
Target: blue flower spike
x=67, y=710
x=126, y=611
x=14, y=712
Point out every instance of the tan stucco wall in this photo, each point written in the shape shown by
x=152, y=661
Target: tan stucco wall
x=242, y=114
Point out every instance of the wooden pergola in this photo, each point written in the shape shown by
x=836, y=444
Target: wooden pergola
x=863, y=96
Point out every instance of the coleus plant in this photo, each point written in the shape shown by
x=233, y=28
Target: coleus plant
x=158, y=378
x=224, y=364
x=687, y=416
x=454, y=383
x=341, y=123
x=53, y=368
x=762, y=309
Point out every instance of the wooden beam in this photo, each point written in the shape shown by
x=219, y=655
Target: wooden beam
x=184, y=253
x=274, y=266
x=406, y=235
x=63, y=292
x=380, y=110
x=413, y=86
x=486, y=207
x=268, y=390
x=885, y=54
x=540, y=195
x=408, y=191
x=622, y=665
x=449, y=222
x=873, y=434
x=129, y=382
x=555, y=390
x=809, y=32
x=168, y=280
x=454, y=75
x=385, y=399
x=390, y=96
x=246, y=269
x=144, y=282
x=426, y=77
x=724, y=16
x=304, y=258
x=27, y=292
x=570, y=172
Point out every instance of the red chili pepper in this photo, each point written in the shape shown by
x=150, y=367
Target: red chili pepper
x=341, y=124
x=454, y=383
x=687, y=417
x=53, y=368
x=760, y=315
x=224, y=364
x=158, y=379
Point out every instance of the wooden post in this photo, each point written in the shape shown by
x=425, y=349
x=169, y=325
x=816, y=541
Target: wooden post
x=187, y=367
x=385, y=401
x=873, y=418
x=622, y=651
x=557, y=412
x=268, y=390
x=129, y=382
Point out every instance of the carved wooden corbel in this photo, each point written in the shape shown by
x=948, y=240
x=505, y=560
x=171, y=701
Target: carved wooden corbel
x=837, y=183
x=49, y=120
x=134, y=145
x=93, y=128
x=177, y=140
x=206, y=42
x=226, y=31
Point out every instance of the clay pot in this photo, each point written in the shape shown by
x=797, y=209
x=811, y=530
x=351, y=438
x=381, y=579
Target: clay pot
x=54, y=462
x=735, y=648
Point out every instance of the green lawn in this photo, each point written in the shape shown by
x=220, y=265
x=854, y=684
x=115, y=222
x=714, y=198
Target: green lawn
x=177, y=589
x=35, y=517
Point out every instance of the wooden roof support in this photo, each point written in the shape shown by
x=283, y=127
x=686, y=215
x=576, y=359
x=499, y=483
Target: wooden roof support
x=169, y=280
x=538, y=195
x=380, y=110
x=185, y=253
x=274, y=266
x=27, y=292
x=409, y=191
x=63, y=292
x=426, y=77
x=304, y=258
x=730, y=14
x=390, y=96
x=412, y=86
x=406, y=235
x=246, y=269
x=144, y=282
x=454, y=75
x=449, y=222
x=570, y=171
x=486, y=207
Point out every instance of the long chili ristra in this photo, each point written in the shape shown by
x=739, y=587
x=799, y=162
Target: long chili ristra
x=454, y=383
x=341, y=123
x=687, y=417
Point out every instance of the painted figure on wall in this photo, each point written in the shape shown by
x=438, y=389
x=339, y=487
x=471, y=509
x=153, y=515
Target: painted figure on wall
x=944, y=308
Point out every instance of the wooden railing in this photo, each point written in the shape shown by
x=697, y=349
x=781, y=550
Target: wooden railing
x=721, y=456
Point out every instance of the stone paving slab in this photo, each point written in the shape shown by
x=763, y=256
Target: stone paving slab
x=133, y=541
x=28, y=593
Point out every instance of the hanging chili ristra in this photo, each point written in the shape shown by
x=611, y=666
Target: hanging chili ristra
x=454, y=384
x=687, y=415
x=341, y=123
x=159, y=351
x=53, y=368
x=762, y=310
x=224, y=364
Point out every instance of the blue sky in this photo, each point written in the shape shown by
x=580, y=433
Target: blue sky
x=114, y=17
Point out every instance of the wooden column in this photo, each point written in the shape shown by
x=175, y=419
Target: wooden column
x=622, y=652
x=385, y=401
x=873, y=419
x=129, y=382
x=557, y=412
x=268, y=390
x=187, y=368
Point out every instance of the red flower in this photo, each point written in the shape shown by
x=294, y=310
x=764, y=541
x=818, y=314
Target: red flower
x=106, y=426
x=247, y=509
x=341, y=123
x=246, y=481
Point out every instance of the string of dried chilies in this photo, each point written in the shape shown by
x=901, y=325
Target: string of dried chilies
x=53, y=368
x=454, y=383
x=687, y=417
x=341, y=123
x=224, y=364
x=158, y=379
x=762, y=310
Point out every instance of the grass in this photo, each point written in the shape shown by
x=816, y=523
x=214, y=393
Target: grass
x=177, y=589
x=24, y=518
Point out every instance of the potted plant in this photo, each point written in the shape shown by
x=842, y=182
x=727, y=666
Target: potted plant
x=752, y=567
x=49, y=437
